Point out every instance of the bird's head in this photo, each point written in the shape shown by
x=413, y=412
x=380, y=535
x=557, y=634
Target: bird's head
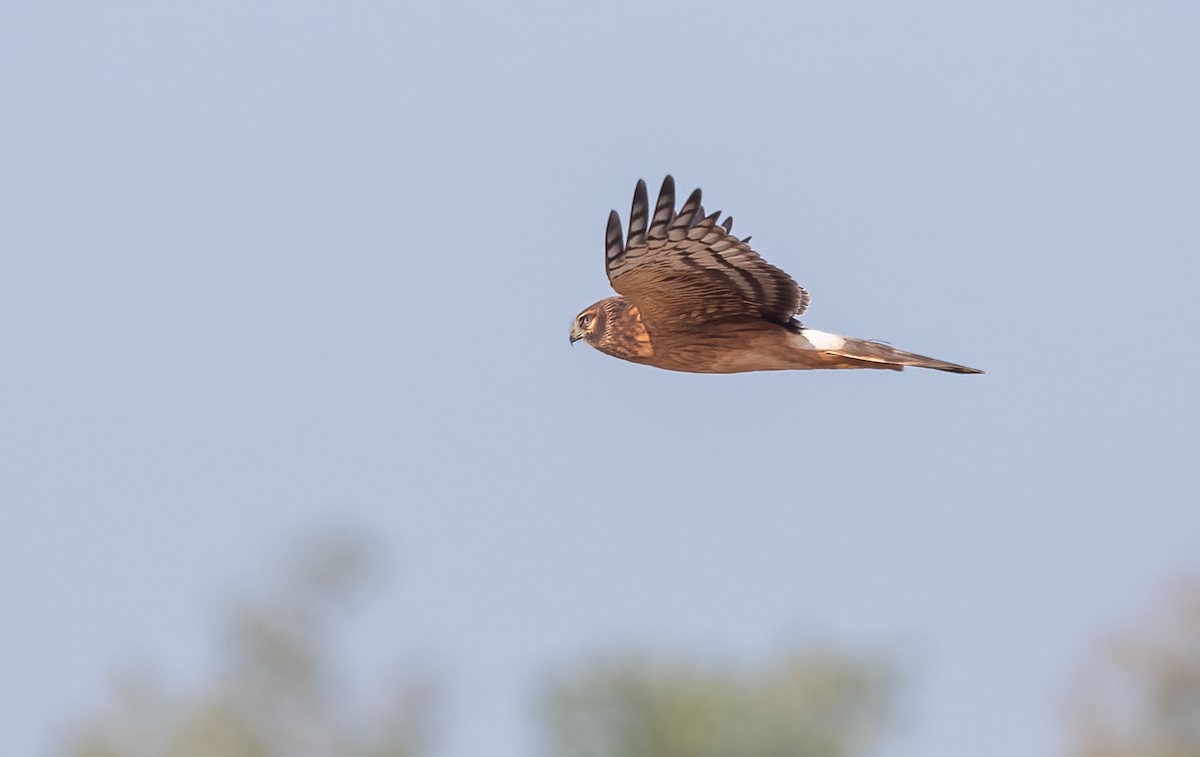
x=590, y=324
x=614, y=326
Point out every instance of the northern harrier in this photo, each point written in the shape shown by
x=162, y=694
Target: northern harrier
x=695, y=298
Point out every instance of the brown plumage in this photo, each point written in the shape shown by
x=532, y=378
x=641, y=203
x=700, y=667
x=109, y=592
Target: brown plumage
x=695, y=298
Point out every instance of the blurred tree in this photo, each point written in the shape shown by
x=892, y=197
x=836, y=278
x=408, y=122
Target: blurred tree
x=819, y=704
x=1139, y=695
x=279, y=692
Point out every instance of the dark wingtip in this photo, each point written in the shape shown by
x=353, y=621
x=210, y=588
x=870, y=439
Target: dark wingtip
x=692, y=207
x=664, y=210
x=640, y=189
x=639, y=215
x=614, y=243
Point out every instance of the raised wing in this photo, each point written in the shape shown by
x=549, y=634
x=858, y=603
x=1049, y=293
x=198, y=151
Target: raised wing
x=685, y=268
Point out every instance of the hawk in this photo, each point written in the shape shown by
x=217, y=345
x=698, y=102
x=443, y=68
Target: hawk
x=692, y=297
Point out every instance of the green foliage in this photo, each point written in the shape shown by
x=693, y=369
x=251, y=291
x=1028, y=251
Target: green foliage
x=279, y=692
x=815, y=705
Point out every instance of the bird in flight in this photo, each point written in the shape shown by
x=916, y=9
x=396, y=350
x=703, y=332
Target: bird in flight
x=692, y=297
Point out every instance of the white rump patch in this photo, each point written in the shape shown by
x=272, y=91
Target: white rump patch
x=811, y=339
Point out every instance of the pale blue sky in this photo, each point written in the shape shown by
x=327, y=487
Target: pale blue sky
x=270, y=265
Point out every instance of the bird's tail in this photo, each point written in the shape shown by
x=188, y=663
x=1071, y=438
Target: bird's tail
x=863, y=353
x=890, y=357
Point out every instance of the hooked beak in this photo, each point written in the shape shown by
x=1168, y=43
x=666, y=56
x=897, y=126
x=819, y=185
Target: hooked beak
x=576, y=333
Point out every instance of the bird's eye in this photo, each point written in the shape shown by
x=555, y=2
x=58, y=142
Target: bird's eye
x=585, y=321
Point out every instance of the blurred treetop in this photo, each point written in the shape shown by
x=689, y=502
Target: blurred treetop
x=280, y=690
x=818, y=704
x=1139, y=695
